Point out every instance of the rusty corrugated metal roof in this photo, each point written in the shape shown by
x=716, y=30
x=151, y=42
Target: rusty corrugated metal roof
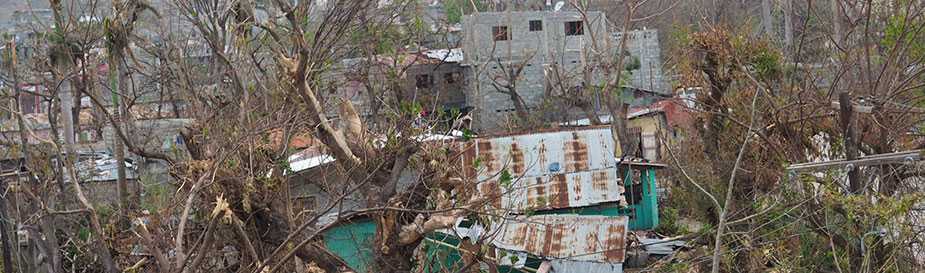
x=568, y=237
x=558, y=191
x=548, y=170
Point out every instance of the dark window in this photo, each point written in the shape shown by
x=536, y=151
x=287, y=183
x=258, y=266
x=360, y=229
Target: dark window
x=304, y=203
x=423, y=81
x=574, y=28
x=451, y=77
x=500, y=33
x=536, y=25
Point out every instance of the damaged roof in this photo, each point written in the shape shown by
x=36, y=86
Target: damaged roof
x=581, y=238
x=568, y=237
x=573, y=167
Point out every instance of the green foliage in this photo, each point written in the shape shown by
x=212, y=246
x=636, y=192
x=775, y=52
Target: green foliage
x=467, y=134
x=766, y=62
x=412, y=108
x=631, y=63
x=156, y=194
x=668, y=222
x=418, y=25
x=283, y=164
x=83, y=233
x=454, y=11
x=902, y=31
x=506, y=179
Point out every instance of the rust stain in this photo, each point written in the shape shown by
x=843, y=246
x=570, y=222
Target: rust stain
x=520, y=235
x=558, y=245
x=530, y=232
x=558, y=192
x=615, y=244
x=576, y=187
x=599, y=180
x=536, y=193
x=517, y=159
x=492, y=191
x=549, y=238
x=584, y=238
x=487, y=156
x=576, y=154
x=592, y=242
x=469, y=160
x=541, y=156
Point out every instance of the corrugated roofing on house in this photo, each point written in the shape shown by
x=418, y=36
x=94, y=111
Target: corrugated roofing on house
x=578, y=189
x=568, y=168
x=599, y=239
x=585, y=267
x=452, y=55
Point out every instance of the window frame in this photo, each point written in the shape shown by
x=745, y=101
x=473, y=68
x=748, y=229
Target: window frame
x=536, y=25
x=498, y=31
x=423, y=81
x=451, y=77
x=574, y=28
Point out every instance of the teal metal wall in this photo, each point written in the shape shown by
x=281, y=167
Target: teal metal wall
x=643, y=215
x=353, y=243
x=443, y=256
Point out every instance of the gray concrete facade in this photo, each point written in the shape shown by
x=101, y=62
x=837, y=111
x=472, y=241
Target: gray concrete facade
x=643, y=46
x=535, y=41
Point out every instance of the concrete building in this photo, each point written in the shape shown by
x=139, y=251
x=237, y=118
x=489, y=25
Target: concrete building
x=643, y=46
x=434, y=79
x=517, y=49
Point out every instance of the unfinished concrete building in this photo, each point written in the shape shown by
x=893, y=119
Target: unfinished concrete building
x=643, y=46
x=509, y=54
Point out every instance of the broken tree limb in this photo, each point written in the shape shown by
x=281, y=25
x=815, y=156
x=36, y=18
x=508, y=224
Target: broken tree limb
x=416, y=230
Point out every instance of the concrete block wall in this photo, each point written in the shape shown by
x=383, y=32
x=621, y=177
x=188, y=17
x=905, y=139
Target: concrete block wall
x=535, y=50
x=643, y=44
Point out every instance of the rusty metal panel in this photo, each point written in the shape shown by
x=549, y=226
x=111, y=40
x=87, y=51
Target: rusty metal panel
x=548, y=170
x=585, y=267
x=569, y=237
x=557, y=191
x=544, y=153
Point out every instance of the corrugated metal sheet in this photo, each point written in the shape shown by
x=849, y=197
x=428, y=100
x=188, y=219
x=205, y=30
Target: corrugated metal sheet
x=664, y=246
x=566, y=266
x=649, y=146
x=570, y=237
x=568, y=190
x=549, y=170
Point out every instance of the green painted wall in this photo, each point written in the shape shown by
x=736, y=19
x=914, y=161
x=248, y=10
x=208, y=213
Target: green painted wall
x=443, y=256
x=643, y=215
x=352, y=242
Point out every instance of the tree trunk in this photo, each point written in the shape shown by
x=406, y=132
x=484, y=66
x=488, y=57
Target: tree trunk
x=118, y=147
x=5, y=233
x=23, y=136
x=851, y=146
x=788, y=24
x=519, y=106
x=615, y=104
x=837, y=17
x=767, y=21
